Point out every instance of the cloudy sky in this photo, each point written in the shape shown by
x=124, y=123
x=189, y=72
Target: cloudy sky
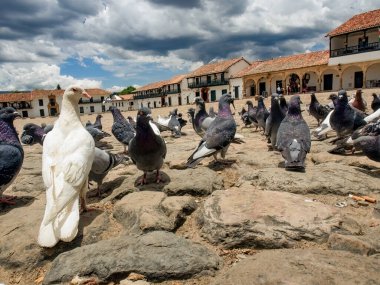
x=117, y=43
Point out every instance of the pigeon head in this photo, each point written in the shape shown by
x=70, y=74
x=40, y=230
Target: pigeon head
x=224, y=105
x=99, y=116
x=374, y=95
x=74, y=93
x=8, y=114
x=200, y=103
x=249, y=103
x=144, y=115
x=358, y=94
x=294, y=107
x=32, y=134
x=342, y=98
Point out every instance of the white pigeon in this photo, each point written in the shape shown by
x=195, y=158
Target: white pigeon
x=68, y=153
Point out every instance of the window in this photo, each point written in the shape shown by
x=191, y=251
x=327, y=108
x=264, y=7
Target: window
x=40, y=102
x=92, y=109
x=24, y=114
x=81, y=110
x=42, y=112
x=197, y=94
x=224, y=91
x=102, y=98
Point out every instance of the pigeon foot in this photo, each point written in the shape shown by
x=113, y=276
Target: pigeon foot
x=8, y=200
x=142, y=180
x=158, y=177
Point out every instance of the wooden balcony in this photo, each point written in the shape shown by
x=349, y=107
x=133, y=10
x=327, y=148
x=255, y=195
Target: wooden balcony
x=207, y=83
x=355, y=49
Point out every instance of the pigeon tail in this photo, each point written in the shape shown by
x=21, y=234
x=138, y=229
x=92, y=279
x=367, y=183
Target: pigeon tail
x=294, y=156
x=200, y=152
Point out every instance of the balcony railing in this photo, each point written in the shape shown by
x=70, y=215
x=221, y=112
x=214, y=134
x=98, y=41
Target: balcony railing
x=355, y=49
x=136, y=97
x=17, y=105
x=81, y=101
x=172, y=91
x=208, y=83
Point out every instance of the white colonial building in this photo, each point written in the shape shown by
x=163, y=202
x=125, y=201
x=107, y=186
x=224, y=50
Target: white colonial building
x=41, y=103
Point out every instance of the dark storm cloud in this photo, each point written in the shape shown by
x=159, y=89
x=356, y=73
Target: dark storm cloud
x=28, y=19
x=179, y=4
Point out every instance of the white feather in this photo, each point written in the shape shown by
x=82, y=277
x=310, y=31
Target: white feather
x=324, y=127
x=373, y=116
x=154, y=128
x=203, y=151
x=68, y=153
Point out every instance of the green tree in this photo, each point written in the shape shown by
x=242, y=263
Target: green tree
x=127, y=90
x=58, y=87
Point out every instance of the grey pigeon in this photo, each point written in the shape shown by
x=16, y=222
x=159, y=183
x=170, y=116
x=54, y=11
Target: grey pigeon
x=103, y=160
x=283, y=105
x=261, y=113
x=211, y=112
x=252, y=111
x=11, y=152
x=318, y=111
x=97, y=124
x=218, y=136
x=202, y=120
x=244, y=117
x=367, y=139
x=132, y=122
x=375, y=105
x=121, y=128
x=47, y=128
x=170, y=123
x=147, y=149
x=274, y=120
x=344, y=120
x=96, y=133
x=102, y=164
x=181, y=121
x=293, y=137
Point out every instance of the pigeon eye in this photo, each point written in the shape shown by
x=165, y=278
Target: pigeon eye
x=75, y=90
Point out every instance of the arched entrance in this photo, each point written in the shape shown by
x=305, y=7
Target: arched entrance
x=310, y=82
x=262, y=86
x=373, y=76
x=204, y=94
x=330, y=80
x=276, y=81
x=352, y=77
x=53, y=107
x=250, y=88
x=293, y=84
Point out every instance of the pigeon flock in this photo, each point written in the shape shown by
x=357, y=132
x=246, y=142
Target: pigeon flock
x=72, y=157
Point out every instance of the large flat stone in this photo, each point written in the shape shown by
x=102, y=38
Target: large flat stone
x=157, y=255
x=267, y=219
x=300, y=266
x=326, y=178
x=149, y=210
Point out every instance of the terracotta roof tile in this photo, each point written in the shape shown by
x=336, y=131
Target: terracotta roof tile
x=37, y=94
x=126, y=96
x=151, y=86
x=215, y=67
x=358, y=22
x=15, y=96
x=287, y=62
x=176, y=79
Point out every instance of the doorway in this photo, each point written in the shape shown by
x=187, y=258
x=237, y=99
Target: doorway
x=262, y=88
x=327, y=82
x=179, y=100
x=204, y=94
x=358, y=79
x=236, y=92
x=213, y=95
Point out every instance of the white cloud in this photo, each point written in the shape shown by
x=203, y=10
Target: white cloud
x=40, y=75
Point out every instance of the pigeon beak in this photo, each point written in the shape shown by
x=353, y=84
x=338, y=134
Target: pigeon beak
x=85, y=94
x=17, y=115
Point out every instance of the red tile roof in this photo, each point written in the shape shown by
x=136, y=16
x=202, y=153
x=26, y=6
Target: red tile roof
x=15, y=97
x=126, y=96
x=358, y=22
x=286, y=62
x=151, y=86
x=39, y=94
x=215, y=67
x=176, y=79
